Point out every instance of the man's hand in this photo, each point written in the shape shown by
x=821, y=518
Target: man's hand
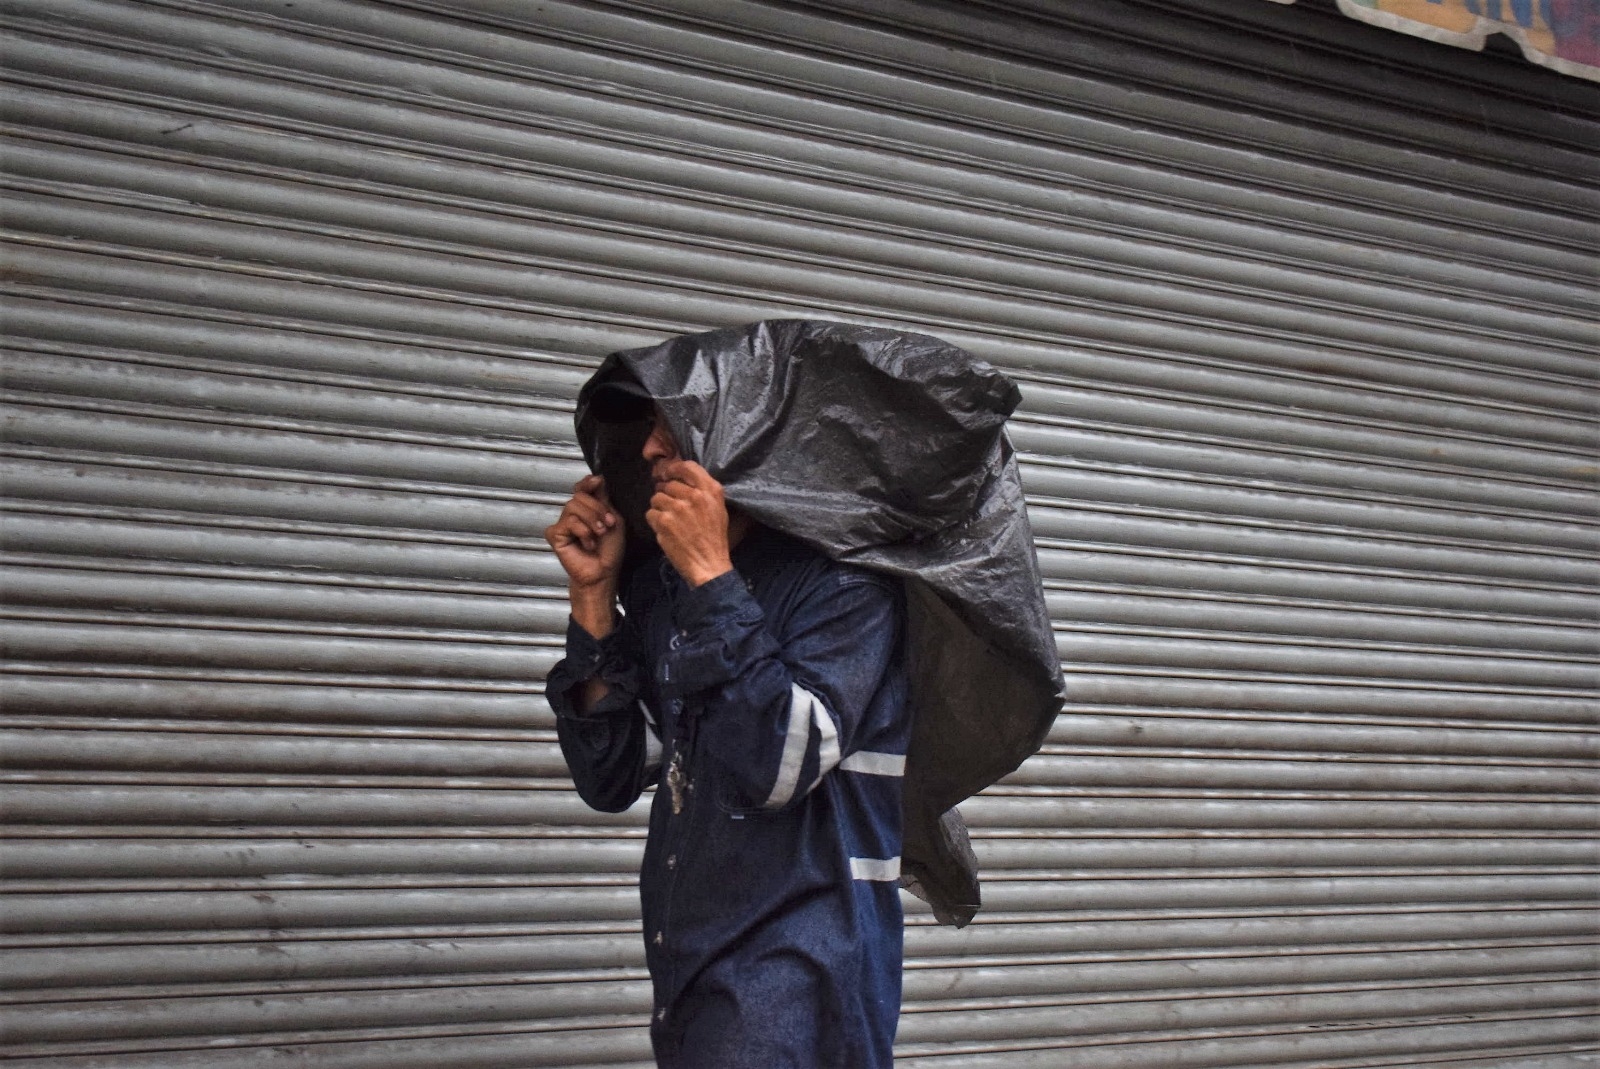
x=589, y=541
x=690, y=520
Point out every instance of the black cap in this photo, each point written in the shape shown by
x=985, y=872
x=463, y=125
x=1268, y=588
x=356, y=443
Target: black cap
x=620, y=401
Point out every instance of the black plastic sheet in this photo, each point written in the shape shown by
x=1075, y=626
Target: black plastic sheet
x=887, y=450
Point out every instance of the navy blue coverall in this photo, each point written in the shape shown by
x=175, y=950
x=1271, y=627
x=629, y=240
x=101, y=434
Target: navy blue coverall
x=769, y=708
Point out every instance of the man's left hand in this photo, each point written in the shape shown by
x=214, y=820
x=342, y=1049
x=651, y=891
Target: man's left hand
x=690, y=520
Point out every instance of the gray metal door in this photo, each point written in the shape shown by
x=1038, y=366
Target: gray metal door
x=297, y=299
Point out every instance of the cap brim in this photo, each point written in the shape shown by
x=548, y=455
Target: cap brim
x=620, y=402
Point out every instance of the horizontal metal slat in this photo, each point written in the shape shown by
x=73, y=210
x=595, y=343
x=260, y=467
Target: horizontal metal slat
x=1262, y=437
x=684, y=89
x=82, y=854
x=309, y=957
x=1298, y=542
x=61, y=753
x=1051, y=262
x=376, y=701
x=1316, y=46
x=1138, y=690
x=1154, y=435
x=1096, y=222
x=1111, y=524
x=268, y=596
x=1312, y=772
x=212, y=395
x=1081, y=729
x=243, y=806
x=1012, y=353
x=795, y=50
x=454, y=369
x=273, y=302
x=486, y=234
x=523, y=611
x=531, y=1005
x=1415, y=519
x=1001, y=807
x=44, y=750
x=90, y=918
x=471, y=656
x=560, y=950
x=340, y=608
x=678, y=277
x=1060, y=1024
x=56, y=856
x=1041, y=49
x=111, y=918
x=84, y=690
x=1158, y=608
x=1136, y=570
x=191, y=643
x=1230, y=730
x=609, y=1041
x=46, y=420
x=81, y=480
x=1174, y=650
x=1016, y=940
x=1354, y=1046
x=1002, y=850
x=510, y=1003
x=935, y=980
x=370, y=551
x=1066, y=431
x=1350, y=548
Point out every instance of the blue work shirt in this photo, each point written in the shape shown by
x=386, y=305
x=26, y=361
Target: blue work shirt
x=769, y=707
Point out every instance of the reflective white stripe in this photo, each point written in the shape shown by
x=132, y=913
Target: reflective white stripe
x=794, y=746
x=875, y=764
x=828, y=747
x=652, y=742
x=873, y=868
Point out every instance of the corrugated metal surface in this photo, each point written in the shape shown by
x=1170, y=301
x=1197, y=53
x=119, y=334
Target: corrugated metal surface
x=297, y=300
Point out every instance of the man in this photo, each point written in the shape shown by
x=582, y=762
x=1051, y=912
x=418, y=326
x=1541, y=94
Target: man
x=768, y=682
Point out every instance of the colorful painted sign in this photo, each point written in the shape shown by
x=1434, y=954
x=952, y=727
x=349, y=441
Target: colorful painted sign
x=1561, y=34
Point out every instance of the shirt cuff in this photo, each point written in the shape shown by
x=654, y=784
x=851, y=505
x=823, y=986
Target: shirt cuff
x=583, y=649
x=714, y=603
x=589, y=658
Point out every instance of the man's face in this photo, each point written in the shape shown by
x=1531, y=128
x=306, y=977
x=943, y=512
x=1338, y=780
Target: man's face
x=660, y=448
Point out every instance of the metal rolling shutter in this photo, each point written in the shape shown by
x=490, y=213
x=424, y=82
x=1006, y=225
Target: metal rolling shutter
x=297, y=298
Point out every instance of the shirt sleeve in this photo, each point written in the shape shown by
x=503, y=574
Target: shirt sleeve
x=610, y=747
x=780, y=711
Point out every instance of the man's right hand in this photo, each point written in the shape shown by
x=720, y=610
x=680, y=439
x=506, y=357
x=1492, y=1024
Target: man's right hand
x=589, y=540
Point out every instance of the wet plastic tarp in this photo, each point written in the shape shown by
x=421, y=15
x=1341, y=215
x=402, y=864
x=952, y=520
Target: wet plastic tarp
x=887, y=450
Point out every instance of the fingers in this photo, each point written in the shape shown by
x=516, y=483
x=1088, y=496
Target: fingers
x=571, y=530
x=585, y=518
x=690, y=521
x=590, y=504
x=688, y=473
x=592, y=511
x=592, y=487
x=676, y=501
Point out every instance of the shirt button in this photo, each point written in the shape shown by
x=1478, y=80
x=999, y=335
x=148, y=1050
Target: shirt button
x=657, y=939
x=661, y=1014
x=672, y=862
